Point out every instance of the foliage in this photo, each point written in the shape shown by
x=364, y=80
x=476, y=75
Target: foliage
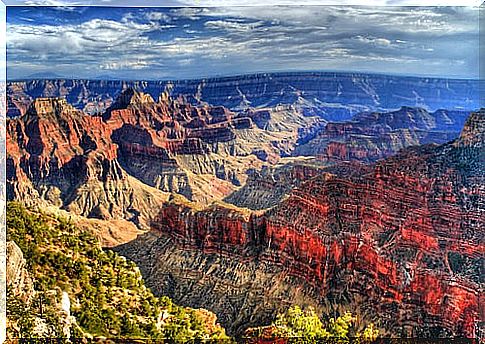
x=305, y=326
x=107, y=292
x=298, y=323
x=19, y=314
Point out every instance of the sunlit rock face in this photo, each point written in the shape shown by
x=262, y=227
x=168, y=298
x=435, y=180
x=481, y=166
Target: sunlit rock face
x=400, y=240
x=18, y=278
x=125, y=162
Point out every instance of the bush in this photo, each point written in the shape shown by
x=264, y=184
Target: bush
x=306, y=327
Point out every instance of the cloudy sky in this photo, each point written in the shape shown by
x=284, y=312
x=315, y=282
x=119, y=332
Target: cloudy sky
x=168, y=43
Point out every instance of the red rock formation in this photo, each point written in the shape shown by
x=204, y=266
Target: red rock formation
x=57, y=153
x=372, y=136
x=406, y=235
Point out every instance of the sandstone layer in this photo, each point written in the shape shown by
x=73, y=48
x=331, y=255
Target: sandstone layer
x=370, y=136
x=402, y=241
x=125, y=163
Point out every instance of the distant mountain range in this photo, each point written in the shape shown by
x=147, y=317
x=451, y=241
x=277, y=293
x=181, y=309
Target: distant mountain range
x=333, y=96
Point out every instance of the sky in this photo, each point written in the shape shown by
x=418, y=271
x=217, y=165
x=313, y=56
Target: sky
x=197, y=42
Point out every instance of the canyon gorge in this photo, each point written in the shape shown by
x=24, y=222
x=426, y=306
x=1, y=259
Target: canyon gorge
x=246, y=195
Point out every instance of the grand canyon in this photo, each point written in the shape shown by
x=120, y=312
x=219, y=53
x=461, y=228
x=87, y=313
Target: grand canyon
x=222, y=171
x=249, y=194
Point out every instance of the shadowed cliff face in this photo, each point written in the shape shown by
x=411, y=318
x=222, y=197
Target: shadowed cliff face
x=61, y=157
x=125, y=163
x=401, y=240
x=370, y=136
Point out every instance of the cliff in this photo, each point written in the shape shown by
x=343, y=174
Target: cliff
x=400, y=240
x=124, y=163
x=30, y=312
x=333, y=233
x=82, y=291
x=269, y=186
x=370, y=136
x=58, y=156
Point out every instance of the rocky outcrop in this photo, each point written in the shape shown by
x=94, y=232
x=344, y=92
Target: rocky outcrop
x=268, y=187
x=401, y=240
x=473, y=133
x=375, y=135
x=18, y=278
x=372, y=237
x=61, y=157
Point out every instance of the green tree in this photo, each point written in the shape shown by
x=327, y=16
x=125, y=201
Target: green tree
x=305, y=326
x=18, y=312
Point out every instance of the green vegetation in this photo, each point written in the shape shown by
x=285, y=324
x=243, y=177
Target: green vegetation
x=20, y=314
x=107, y=292
x=304, y=326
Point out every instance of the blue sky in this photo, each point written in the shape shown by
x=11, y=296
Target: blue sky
x=194, y=42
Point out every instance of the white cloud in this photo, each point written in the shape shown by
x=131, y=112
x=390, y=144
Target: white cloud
x=241, y=39
x=257, y=3
x=427, y=20
x=248, y=3
x=191, y=13
x=121, y=65
x=232, y=25
x=373, y=40
x=95, y=35
x=157, y=16
x=58, y=3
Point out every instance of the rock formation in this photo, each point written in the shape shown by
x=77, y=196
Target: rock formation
x=268, y=187
x=401, y=240
x=124, y=163
x=61, y=156
x=241, y=224
x=25, y=302
x=18, y=278
x=375, y=135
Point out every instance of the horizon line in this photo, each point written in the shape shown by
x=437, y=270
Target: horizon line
x=227, y=76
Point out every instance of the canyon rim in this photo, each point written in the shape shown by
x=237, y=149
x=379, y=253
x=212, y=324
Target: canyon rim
x=244, y=173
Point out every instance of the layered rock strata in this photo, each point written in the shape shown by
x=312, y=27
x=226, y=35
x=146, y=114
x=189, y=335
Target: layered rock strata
x=125, y=162
x=402, y=241
x=370, y=136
